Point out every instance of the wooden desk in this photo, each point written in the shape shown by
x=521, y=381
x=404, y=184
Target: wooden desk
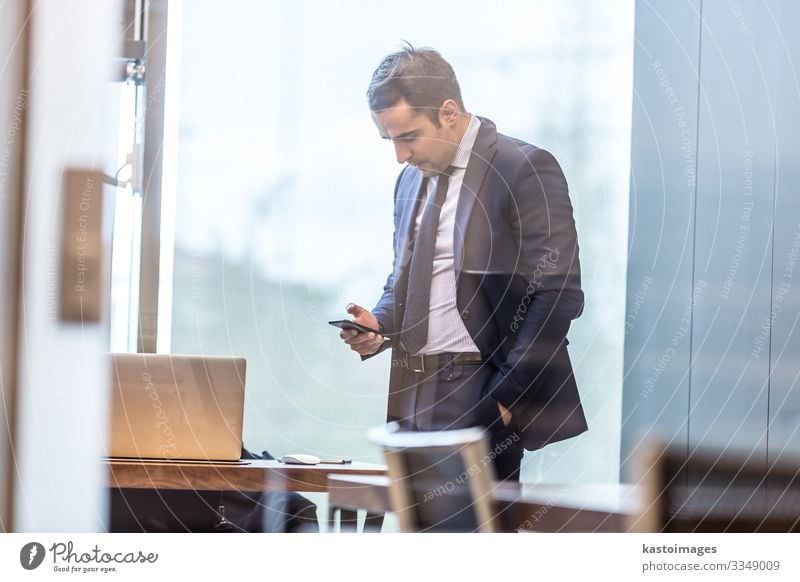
x=584, y=507
x=255, y=475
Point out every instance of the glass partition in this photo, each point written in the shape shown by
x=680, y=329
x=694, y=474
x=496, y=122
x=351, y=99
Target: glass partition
x=283, y=203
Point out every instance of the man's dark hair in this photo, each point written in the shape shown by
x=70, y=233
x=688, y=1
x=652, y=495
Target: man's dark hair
x=420, y=76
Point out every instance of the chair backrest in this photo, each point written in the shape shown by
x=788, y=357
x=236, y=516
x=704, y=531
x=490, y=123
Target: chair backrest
x=439, y=481
x=706, y=490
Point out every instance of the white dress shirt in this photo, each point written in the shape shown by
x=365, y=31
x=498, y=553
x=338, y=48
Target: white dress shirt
x=446, y=329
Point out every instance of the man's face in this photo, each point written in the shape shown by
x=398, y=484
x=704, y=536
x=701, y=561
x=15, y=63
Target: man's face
x=417, y=140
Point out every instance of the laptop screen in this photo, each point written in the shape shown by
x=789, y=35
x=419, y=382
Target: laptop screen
x=168, y=406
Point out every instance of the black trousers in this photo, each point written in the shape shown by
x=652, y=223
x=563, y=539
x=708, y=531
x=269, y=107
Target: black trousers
x=455, y=397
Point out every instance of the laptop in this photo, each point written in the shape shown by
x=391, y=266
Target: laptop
x=186, y=408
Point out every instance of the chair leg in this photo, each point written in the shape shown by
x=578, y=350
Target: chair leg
x=373, y=522
x=348, y=520
x=332, y=509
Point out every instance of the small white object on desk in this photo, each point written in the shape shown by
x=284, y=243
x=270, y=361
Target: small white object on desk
x=300, y=459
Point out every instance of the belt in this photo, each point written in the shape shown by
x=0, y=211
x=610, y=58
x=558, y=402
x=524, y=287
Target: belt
x=439, y=361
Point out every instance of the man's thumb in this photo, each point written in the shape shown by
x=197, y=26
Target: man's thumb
x=354, y=310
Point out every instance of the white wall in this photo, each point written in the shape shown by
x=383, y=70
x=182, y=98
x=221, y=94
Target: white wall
x=62, y=378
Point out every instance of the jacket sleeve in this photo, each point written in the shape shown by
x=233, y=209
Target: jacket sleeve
x=543, y=224
x=384, y=311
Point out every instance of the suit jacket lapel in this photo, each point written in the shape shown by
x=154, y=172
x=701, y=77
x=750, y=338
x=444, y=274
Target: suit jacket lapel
x=483, y=152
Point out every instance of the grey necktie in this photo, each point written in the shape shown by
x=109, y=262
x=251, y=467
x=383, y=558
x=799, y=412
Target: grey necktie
x=414, y=334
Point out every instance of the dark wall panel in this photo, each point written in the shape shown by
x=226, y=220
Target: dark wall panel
x=712, y=349
x=784, y=322
x=733, y=249
x=661, y=228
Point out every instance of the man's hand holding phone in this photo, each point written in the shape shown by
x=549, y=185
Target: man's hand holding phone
x=362, y=342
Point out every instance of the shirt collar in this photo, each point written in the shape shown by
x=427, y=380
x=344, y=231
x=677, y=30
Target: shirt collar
x=467, y=142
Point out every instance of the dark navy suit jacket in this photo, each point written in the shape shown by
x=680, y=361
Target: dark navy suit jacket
x=517, y=279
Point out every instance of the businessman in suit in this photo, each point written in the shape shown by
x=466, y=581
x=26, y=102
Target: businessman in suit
x=486, y=277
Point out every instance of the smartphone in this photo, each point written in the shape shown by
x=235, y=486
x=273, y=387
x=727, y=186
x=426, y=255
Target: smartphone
x=348, y=324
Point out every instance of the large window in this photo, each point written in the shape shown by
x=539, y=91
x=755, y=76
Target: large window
x=283, y=197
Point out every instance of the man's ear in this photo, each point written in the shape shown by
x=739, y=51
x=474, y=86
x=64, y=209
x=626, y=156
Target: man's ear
x=448, y=113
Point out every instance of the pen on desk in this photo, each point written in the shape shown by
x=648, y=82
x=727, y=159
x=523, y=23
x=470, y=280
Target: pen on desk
x=337, y=461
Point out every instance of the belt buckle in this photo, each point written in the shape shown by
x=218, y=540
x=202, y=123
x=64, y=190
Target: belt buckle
x=415, y=363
